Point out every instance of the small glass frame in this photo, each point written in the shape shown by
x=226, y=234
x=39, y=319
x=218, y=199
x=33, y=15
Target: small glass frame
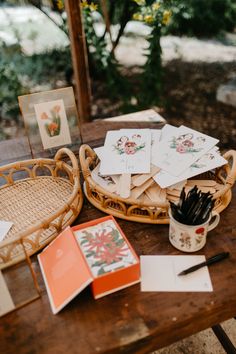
x=51, y=121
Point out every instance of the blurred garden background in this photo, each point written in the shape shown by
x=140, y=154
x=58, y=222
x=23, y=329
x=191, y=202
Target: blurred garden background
x=178, y=56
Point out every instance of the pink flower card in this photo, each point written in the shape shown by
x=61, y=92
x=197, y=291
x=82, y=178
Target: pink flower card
x=126, y=151
x=211, y=160
x=181, y=149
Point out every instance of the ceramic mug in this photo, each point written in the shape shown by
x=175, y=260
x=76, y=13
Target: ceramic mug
x=191, y=238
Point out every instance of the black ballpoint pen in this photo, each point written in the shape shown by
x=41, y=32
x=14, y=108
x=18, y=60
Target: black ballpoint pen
x=214, y=259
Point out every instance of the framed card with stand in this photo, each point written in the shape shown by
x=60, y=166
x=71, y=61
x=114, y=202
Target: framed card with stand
x=51, y=121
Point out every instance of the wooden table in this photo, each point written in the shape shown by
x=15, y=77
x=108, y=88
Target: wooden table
x=128, y=321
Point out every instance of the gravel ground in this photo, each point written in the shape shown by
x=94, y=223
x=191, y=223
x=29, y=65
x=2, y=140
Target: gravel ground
x=193, y=71
x=190, y=95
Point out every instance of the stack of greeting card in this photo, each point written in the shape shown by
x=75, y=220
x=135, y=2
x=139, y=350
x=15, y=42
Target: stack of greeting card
x=149, y=164
x=96, y=253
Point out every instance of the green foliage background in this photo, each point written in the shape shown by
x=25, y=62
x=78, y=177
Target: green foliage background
x=202, y=18
x=19, y=73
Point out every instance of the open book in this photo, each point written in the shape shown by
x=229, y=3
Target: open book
x=95, y=253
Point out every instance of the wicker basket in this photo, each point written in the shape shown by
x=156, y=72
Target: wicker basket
x=41, y=197
x=153, y=213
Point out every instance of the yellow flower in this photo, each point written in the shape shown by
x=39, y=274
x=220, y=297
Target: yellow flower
x=156, y=6
x=60, y=4
x=93, y=7
x=137, y=17
x=166, y=17
x=148, y=18
x=84, y=4
x=140, y=2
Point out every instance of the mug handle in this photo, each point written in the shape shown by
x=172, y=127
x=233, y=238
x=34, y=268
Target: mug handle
x=215, y=222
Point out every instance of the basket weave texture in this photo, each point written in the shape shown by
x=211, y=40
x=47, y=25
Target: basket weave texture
x=41, y=197
x=153, y=213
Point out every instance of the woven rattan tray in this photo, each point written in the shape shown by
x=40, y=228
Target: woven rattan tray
x=135, y=210
x=41, y=197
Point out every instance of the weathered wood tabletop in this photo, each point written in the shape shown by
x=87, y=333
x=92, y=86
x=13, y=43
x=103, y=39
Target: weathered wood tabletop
x=127, y=321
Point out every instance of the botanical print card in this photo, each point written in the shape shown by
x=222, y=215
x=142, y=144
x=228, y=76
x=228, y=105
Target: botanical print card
x=4, y=228
x=104, y=247
x=154, y=279
x=167, y=130
x=126, y=151
x=164, y=133
x=211, y=160
x=51, y=120
x=53, y=124
x=180, y=150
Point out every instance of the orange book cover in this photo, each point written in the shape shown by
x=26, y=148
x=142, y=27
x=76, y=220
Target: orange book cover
x=64, y=270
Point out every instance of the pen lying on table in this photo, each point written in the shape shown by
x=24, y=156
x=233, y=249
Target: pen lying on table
x=214, y=259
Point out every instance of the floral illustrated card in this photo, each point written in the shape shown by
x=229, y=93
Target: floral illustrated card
x=211, y=160
x=104, y=247
x=168, y=130
x=157, y=136
x=53, y=124
x=181, y=149
x=51, y=121
x=126, y=151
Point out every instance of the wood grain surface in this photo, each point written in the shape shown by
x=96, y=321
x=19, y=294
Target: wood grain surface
x=128, y=321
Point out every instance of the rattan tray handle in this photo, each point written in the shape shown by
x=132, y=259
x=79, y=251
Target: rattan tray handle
x=230, y=168
x=75, y=169
x=89, y=158
x=227, y=173
x=70, y=154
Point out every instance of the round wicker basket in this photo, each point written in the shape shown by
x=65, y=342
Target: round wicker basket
x=41, y=197
x=153, y=213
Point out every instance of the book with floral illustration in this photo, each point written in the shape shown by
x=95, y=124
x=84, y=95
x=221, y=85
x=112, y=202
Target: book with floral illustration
x=104, y=247
x=96, y=253
x=109, y=255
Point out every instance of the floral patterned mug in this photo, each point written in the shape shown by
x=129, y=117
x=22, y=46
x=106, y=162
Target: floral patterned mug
x=191, y=238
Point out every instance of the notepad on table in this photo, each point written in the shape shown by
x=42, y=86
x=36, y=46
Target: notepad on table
x=160, y=273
